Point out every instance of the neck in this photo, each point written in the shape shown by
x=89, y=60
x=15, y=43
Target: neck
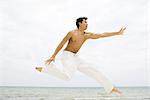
x=81, y=30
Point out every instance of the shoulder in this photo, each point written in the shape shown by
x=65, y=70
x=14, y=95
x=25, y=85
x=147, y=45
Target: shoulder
x=88, y=34
x=72, y=32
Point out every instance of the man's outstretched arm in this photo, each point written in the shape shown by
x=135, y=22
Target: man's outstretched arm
x=59, y=47
x=105, y=34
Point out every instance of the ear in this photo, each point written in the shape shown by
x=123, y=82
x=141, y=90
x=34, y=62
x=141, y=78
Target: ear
x=80, y=23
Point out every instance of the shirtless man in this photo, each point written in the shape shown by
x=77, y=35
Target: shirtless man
x=76, y=38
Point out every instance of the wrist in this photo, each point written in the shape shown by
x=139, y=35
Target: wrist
x=53, y=56
x=117, y=33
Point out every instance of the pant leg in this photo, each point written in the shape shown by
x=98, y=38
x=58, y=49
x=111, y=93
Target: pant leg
x=68, y=60
x=91, y=71
x=52, y=69
x=70, y=63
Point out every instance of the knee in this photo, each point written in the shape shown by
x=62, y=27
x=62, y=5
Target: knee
x=68, y=78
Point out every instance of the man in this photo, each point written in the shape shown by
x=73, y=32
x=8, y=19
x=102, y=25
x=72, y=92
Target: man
x=72, y=62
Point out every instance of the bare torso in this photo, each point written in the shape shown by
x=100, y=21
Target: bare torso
x=76, y=41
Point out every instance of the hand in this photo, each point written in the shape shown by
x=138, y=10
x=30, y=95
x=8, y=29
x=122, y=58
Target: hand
x=121, y=31
x=49, y=60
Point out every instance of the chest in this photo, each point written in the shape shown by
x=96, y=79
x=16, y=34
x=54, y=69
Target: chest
x=78, y=38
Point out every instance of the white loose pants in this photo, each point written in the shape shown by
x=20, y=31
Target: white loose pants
x=71, y=63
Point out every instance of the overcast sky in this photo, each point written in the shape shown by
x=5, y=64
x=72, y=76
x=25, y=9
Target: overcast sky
x=30, y=30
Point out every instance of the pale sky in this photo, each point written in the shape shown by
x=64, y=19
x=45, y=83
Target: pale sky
x=30, y=30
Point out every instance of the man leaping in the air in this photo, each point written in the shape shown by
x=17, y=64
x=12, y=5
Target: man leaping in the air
x=72, y=62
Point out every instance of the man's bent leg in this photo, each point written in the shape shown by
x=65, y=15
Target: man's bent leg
x=53, y=70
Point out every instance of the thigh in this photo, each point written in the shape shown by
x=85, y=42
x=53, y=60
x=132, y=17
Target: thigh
x=85, y=65
x=69, y=64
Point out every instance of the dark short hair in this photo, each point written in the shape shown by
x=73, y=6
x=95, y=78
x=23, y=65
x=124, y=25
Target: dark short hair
x=79, y=20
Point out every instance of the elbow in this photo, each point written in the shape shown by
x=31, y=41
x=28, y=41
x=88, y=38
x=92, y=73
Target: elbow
x=95, y=37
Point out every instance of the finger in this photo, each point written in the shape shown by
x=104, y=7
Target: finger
x=120, y=29
x=45, y=63
x=124, y=28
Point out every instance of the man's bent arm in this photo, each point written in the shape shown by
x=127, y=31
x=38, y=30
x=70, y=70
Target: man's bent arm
x=59, y=47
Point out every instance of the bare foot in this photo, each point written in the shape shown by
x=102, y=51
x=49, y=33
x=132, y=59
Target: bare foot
x=39, y=68
x=115, y=90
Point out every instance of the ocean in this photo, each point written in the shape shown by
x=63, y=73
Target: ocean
x=72, y=93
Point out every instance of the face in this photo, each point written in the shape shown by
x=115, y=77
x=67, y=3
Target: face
x=84, y=24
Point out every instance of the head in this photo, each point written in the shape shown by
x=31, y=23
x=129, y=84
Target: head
x=82, y=23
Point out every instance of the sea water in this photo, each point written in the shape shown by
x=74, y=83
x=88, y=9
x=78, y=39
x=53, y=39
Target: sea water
x=72, y=93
